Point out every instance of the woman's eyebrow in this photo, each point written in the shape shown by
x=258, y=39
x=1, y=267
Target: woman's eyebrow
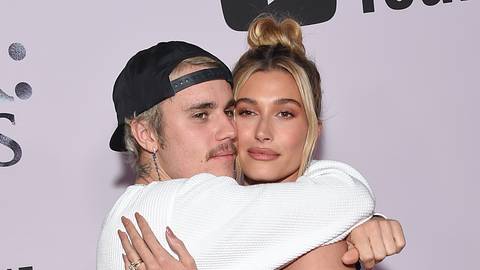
x=282, y=101
x=279, y=101
x=246, y=100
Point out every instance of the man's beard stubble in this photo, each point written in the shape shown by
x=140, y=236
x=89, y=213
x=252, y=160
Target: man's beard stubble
x=227, y=148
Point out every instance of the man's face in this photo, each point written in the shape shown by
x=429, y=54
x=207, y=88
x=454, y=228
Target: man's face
x=198, y=130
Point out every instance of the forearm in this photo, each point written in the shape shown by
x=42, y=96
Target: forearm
x=287, y=220
x=322, y=258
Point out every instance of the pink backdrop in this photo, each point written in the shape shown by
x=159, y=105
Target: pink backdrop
x=400, y=104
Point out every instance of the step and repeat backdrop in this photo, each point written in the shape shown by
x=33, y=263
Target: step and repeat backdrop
x=401, y=93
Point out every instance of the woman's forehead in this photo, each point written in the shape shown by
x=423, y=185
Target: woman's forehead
x=274, y=85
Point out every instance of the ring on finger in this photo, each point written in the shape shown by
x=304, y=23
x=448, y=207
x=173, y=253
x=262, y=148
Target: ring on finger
x=134, y=265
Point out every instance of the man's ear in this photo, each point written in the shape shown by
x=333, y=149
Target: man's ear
x=144, y=135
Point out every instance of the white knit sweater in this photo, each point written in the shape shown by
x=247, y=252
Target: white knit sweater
x=228, y=226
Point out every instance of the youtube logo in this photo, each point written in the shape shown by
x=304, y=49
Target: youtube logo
x=239, y=14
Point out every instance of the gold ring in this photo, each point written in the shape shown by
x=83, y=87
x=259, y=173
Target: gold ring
x=134, y=265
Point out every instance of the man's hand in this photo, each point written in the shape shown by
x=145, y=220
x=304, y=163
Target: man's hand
x=372, y=241
x=147, y=253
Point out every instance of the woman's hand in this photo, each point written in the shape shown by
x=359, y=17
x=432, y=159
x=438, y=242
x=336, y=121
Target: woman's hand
x=147, y=253
x=373, y=241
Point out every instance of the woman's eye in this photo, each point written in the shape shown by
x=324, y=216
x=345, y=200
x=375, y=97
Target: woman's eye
x=285, y=114
x=246, y=113
x=200, y=115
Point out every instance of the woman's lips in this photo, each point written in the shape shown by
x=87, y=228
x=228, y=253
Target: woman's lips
x=263, y=154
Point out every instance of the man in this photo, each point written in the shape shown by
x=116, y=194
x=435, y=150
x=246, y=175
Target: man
x=174, y=108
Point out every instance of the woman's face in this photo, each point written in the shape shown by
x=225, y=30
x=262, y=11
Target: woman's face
x=272, y=127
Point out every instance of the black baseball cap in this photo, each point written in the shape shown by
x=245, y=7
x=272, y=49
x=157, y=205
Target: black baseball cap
x=144, y=82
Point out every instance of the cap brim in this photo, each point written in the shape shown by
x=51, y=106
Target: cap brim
x=117, y=141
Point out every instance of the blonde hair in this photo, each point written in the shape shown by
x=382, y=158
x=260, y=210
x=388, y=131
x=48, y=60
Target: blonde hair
x=277, y=45
x=153, y=117
x=201, y=61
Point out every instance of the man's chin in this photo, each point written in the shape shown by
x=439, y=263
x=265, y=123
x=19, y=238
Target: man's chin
x=225, y=169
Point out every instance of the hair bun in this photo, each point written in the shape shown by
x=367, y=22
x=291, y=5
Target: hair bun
x=267, y=31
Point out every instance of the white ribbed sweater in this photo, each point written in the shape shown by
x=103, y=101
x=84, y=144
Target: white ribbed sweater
x=228, y=226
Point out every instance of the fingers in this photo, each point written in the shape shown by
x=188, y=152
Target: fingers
x=359, y=238
x=126, y=262
x=398, y=235
x=132, y=255
x=161, y=255
x=351, y=256
x=138, y=249
x=388, y=239
x=376, y=241
x=179, y=248
x=147, y=247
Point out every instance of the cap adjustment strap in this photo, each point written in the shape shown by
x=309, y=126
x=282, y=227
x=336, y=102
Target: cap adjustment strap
x=199, y=77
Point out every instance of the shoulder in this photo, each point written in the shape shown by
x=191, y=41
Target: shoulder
x=206, y=183
x=201, y=180
x=139, y=197
x=325, y=165
x=334, y=170
x=330, y=167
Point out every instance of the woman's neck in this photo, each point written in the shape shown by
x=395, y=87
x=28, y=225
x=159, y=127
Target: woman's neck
x=289, y=178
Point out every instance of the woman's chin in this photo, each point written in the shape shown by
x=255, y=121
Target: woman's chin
x=267, y=172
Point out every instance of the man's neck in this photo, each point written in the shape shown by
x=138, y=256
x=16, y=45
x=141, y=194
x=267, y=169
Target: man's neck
x=161, y=175
x=144, y=180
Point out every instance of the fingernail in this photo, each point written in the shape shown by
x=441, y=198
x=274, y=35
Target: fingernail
x=170, y=233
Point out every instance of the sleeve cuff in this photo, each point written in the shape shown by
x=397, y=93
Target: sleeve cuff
x=380, y=215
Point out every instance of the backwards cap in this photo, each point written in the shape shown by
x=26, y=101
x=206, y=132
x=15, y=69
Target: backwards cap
x=144, y=82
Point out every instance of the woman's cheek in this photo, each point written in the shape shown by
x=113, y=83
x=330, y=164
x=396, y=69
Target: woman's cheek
x=244, y=129
x=294, y=133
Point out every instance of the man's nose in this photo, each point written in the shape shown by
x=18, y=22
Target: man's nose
x=227, y=129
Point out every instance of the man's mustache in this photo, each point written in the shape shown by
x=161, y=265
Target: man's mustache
x=222, y=149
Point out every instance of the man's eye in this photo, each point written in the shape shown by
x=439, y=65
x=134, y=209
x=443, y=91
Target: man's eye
x=285, y=114
x=200, y=115
x=229, y=113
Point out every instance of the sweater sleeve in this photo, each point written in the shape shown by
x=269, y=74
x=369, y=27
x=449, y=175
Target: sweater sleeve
x=317, y=168
x=227, y=226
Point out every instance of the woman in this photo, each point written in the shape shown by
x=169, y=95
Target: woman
x=278, y=97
